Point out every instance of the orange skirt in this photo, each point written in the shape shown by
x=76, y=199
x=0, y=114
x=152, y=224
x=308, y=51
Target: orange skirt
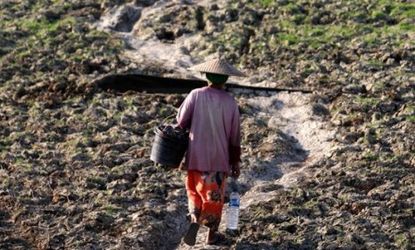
x=205, y=192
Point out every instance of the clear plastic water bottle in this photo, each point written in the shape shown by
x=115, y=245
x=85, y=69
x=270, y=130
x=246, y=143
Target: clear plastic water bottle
x=232, y=216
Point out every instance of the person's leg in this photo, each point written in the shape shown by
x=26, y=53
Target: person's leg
x=194, y=199
x=195, y=206
x=212, y=190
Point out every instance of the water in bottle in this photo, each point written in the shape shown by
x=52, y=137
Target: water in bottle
x=233, y=211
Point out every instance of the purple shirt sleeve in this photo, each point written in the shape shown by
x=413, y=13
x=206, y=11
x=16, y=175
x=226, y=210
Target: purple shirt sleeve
x=185, y=113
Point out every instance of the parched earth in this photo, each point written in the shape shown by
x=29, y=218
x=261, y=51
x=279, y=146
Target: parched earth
x=334, y=169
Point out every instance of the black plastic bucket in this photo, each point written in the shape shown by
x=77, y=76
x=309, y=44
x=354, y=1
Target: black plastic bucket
x=169, y=146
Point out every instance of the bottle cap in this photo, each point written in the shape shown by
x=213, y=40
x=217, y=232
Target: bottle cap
x=233, y=185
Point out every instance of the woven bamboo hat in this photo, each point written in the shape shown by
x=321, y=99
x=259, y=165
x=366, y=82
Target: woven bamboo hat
x=218, y=66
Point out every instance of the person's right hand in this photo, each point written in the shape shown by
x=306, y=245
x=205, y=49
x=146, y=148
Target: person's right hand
x=235, y=171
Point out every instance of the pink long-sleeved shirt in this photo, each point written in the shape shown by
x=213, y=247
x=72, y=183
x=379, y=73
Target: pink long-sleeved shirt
x=212, y=116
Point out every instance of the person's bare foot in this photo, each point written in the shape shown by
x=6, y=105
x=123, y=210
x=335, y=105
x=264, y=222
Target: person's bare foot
x=214, y=237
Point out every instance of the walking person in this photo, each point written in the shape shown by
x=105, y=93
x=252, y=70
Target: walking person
x=214, y=150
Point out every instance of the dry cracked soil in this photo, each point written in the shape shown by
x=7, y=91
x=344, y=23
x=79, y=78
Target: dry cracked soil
x=333, y=168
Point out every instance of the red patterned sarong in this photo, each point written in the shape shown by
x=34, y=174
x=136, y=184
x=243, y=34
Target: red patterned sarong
x=205, y=192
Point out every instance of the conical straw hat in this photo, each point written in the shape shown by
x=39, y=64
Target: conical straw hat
x=217, y=66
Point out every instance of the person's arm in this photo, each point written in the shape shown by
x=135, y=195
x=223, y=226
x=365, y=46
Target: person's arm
x=235, y=144
x=185, y=113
